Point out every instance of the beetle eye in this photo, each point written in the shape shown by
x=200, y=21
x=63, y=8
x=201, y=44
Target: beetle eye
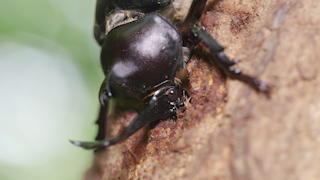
x=173, y=94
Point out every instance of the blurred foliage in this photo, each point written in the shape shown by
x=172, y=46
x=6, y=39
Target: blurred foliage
x=49, y=81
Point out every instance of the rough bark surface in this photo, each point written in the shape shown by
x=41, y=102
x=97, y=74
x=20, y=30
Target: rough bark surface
x=228, y=131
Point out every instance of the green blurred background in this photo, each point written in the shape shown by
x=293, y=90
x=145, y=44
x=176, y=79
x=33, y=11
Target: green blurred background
x=49, y=80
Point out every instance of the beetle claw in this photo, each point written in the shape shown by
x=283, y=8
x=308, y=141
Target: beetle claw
x=89, y=145
x=97, y=144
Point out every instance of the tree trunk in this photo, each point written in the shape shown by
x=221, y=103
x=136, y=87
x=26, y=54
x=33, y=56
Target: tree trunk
x=229, y=131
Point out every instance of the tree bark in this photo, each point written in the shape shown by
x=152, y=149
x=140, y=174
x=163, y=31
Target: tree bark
x=229, y=131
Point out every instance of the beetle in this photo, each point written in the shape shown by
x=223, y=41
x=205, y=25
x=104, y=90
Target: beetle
x=144, y=43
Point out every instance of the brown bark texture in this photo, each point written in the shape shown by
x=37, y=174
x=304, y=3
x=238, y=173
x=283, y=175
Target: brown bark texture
x=229, y=131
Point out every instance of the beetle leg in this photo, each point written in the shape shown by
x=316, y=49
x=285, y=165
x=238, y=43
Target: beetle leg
x=101, y=122
x=198, y=34
x=160, y=106
x=104, y=97
x=194, y=13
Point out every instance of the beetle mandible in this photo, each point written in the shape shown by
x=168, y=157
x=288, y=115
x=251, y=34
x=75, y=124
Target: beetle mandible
x=144, y=43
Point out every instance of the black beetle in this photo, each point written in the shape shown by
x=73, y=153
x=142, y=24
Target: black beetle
x=142, y=50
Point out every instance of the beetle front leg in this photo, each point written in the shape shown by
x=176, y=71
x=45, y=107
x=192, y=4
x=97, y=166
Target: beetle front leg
x=104, y=96
x=161, y=105
x=198, y=34
x=194, y=14
x=101, y=122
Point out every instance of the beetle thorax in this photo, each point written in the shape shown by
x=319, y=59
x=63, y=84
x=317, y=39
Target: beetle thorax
x=140, y=56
